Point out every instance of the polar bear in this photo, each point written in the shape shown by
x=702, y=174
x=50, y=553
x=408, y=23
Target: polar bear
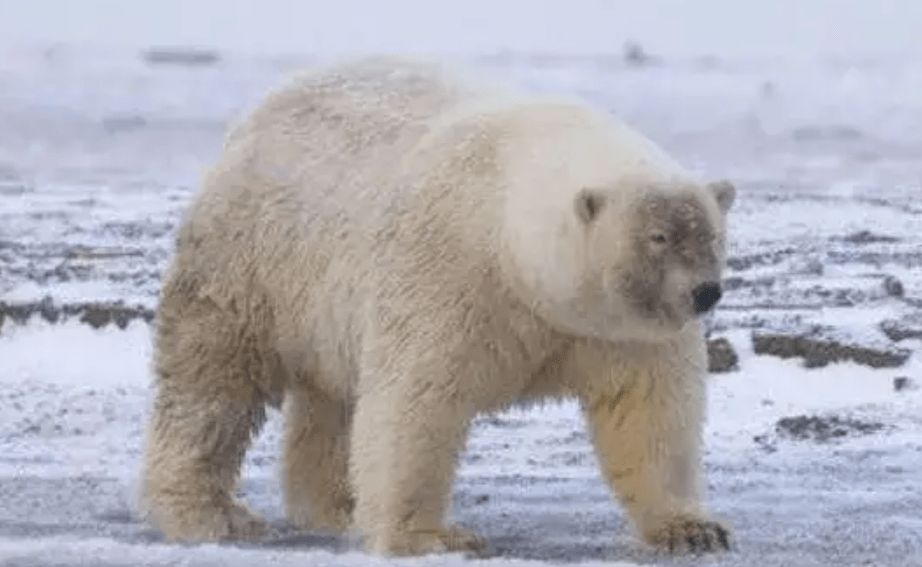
x=387, y=249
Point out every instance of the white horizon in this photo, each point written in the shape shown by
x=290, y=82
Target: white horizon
x=666, y=27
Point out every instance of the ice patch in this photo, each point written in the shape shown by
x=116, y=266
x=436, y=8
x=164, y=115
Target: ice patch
x=52, y=552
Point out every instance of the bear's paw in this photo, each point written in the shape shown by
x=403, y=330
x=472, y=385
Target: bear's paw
x=232, y=522
x=425, y=542
x=692, y=534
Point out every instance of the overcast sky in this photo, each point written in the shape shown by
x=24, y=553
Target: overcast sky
x=742, y=27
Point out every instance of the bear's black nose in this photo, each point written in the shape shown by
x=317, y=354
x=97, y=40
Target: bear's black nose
x=706, y=296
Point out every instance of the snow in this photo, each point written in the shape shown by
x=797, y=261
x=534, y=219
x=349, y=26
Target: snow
x=743, y=406
x=106, y=552
x=99, y=153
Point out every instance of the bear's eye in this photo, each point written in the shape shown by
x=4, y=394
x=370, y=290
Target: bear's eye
x=658, y=238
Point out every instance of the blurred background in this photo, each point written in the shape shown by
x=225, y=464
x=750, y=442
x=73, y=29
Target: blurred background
x=723, y=28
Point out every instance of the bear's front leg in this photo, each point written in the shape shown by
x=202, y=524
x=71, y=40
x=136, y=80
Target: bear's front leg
x=646, y=419
x=409, y=426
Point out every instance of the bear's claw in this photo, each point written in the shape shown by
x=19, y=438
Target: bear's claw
x=244, y=525
x=693, y=535
x=451, y=539
x=232, y=522
x=457, y=538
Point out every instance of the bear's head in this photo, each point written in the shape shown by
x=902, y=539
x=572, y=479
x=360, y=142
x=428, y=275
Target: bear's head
x=653, y=255
x=605, y=235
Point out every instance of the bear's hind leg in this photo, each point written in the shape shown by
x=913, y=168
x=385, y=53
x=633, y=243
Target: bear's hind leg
x=316, y=457
x=191, y=465
x=206, y=410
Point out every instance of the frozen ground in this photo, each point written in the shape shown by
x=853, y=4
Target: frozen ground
x=71, y=432
x=99, y=151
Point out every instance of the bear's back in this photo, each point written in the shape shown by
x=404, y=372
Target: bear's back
x=290, y=213
x=330, y=143
x=318, y=159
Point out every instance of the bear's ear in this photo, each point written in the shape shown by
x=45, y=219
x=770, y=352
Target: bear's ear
x=588, y=203
x=725, y=193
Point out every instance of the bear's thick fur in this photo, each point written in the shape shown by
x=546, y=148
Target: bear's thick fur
x=390, y=250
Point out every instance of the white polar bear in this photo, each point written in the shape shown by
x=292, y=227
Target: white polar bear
x=392, y=250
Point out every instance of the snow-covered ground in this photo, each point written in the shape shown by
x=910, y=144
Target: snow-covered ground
x=100, y=150
x=74, y=401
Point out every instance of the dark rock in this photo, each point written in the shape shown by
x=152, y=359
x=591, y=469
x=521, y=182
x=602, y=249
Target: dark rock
x=741, y=263
x=822, y=133
x=123, y=123
x=721, y=356
x=908, y=326
x=96, y=315
x=808, y=267
x=823, y=429
x=19, y=313
x=11, y=189
x=100, y=315
x=48, y=310
x=635, y=54
x=184, y=56
x=901, y=383
x=893, y=286
x=765, y=443
x=868, y=237
x=732, y=283
x=819, y=346
x=907, y=259
x=122, y=317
